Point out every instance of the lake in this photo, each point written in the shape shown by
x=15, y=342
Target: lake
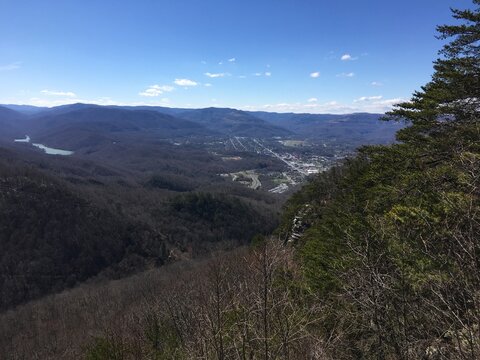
x=26, y=140
x=52, y=151
x=48, y=150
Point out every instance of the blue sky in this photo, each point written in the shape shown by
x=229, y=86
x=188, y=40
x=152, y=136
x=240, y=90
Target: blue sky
x=276, y=55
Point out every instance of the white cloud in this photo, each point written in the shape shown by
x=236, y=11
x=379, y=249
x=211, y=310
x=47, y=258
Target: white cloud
x=348, y=57
x=156, y=90
x=349, y=75
x=207, y=85
x=185, y=82
x=376, y=83
x=54, y=101
x=368, y=98
x=315, y=74
x=49, y=102
x=241, y=76
x=331, y=107
x=10, y=67
x=232, y=60
x=313, y=107
x=58, y=93
x=220, y=63
x=258, y=74
x=215, y=75
x=100, y=101
x=391, y=102
x=312, y=100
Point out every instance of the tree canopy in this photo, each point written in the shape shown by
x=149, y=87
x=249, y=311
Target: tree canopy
x=392, y=241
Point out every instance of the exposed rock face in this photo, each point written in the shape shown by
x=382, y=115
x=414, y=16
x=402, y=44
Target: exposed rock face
x=299, y=224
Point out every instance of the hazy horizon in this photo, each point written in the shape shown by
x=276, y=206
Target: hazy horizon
x=307, y=57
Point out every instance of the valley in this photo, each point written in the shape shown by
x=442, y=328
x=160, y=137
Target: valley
x=298, y=163
x=296, y=145
x=168, y=184
x=239, y=180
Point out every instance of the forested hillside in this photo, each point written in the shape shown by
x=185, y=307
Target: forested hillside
x=389, y=242
x=53, y=237
x=377, y=258
x=65, y=222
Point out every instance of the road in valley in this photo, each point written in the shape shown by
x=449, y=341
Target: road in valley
x=292, y=166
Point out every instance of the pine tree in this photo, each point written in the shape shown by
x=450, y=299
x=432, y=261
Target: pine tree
x=392, y=247
x=452, y=98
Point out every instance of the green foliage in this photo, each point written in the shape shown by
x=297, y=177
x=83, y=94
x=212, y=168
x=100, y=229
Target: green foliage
x=391, y=239
x=258, y=241
x=164, y=342
x=106, y=349
x=389, y=246
x=452, y=98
